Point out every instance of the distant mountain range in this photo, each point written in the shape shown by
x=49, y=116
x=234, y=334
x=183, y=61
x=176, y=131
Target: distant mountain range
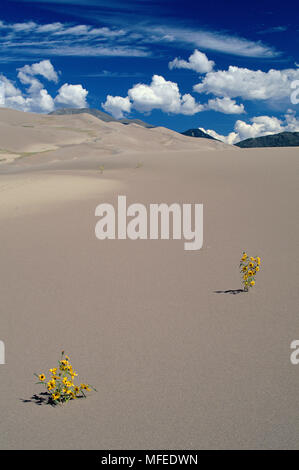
x=100, y=115
x=283, y=139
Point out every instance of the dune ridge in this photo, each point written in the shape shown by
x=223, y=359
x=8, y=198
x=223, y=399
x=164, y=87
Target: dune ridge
x=37, y=134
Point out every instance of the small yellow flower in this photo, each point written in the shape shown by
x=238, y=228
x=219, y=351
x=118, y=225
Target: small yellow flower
x=60, y=383
x=249, y=267
x=50, y=386
x=63, y=364
x=85, y=387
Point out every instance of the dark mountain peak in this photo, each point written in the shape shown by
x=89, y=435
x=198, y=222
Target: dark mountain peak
x=283, y=139
x=197, y=133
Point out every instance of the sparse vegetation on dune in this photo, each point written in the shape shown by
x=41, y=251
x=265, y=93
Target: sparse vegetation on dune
x=249, y=267
x=60, y=385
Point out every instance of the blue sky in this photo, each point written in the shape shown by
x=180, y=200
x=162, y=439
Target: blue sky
x=225, y=67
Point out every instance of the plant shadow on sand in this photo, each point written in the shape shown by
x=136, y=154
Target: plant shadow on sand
x=42, y=398
x=230, y=291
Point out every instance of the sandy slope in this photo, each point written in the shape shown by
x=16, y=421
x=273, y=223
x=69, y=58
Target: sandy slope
x=177, y=363
x=29, y=134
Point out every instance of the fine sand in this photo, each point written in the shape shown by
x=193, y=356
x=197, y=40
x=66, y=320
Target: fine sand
x=179, y=361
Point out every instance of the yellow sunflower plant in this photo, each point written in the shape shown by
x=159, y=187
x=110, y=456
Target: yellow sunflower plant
x=60, y=383
x=249, y=267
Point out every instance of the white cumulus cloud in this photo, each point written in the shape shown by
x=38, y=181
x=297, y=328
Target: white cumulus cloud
x=189, y=106
x=197, y=61
x=225, y=105
x=36, y=98
x=165, y=95
x=160, y=94
x=72, y=96
x=42, y=102
x=43, y=68
x=258, y=126
x=248, y=84
x=117, y=106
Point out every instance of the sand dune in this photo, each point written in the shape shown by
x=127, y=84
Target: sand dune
x=42, y=133
x=178, y=361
